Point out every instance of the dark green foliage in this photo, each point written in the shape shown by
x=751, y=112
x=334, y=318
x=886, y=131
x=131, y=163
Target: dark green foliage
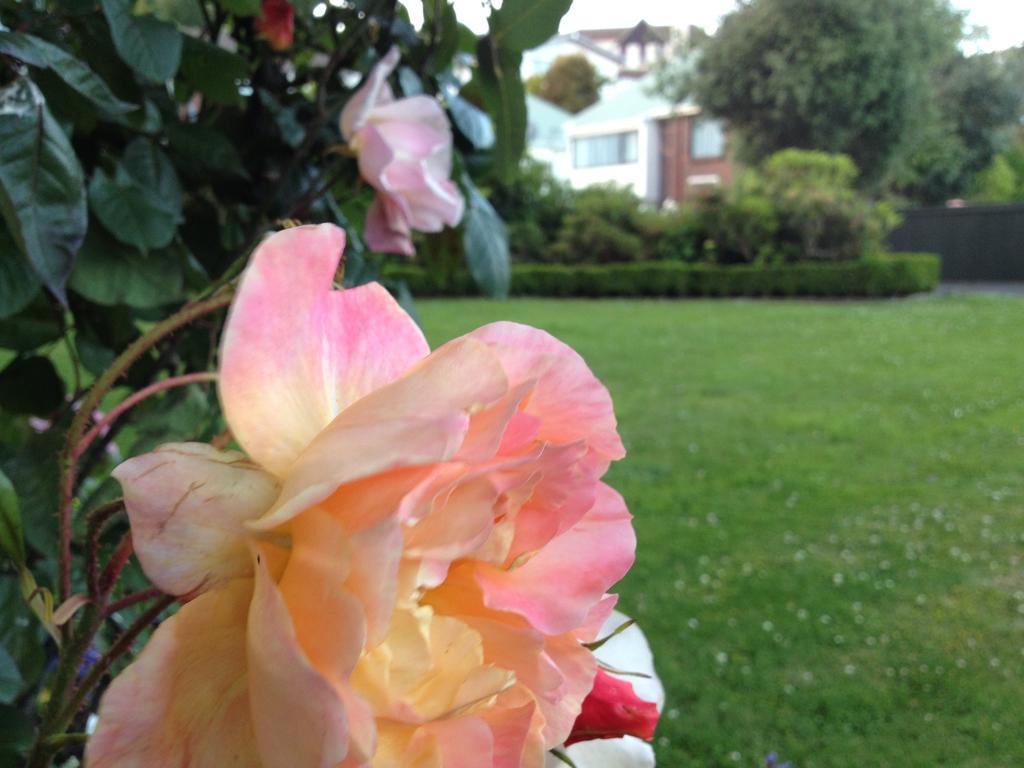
x=798, y=205
x=977, y=102
x=533, y=203
x=605, y=225
x=571, y=82
x=898, y=274
x=848, y=76
x=1002, y=180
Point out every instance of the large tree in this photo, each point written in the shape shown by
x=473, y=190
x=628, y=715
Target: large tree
x=850, y=76
x=975, y=108
x=571, y=82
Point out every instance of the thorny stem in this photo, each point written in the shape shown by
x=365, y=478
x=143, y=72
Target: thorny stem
x=130, y=402
x=92, y=399
x=129, y=600
x=70, y=659
x=117, y=649
x=94, y=530
x=115, y=565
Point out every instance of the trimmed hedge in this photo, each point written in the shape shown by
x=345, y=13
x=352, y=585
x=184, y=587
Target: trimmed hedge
x=895, y=274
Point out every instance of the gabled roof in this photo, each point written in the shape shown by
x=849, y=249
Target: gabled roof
x=619, y=34
x=628, y=100
x=577, y=38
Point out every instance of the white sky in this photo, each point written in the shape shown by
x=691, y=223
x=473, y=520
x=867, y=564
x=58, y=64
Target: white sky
x=1003, y=19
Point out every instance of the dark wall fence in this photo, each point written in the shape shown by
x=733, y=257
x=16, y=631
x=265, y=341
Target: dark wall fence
x=978, y=242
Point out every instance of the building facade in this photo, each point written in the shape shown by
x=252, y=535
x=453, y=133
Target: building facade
x=667, y=153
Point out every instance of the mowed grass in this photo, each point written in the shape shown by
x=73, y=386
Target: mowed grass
x=829, y=499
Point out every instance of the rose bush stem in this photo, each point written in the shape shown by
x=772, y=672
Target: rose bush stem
x=92, y=399
x=115, y=565
x=130, y=600
x=62, y=709
x=119, y=647
x=130, y=402
x=97, y=518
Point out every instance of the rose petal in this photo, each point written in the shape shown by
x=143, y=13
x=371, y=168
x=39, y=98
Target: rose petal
x=418, y=419
x=422, y=114
x=584, y=562
x=184, y=700
x=295, y=352
x=387, y=230
x=629, y=651
x=568, y=400
x=298, y=716
x=328, y=619
x=188, y=503
x=373, y=92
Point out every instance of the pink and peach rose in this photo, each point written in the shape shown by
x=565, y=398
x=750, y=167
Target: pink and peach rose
x=405, y=153
x=401, y=567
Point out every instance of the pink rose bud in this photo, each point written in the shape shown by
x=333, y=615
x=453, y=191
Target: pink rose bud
x=612, y=710
x=276, y=23
x=405, y=153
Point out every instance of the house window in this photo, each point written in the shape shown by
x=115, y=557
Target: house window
x=610, y=149
x=707, y=139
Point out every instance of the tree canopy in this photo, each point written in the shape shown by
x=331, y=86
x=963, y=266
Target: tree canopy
x=571, y=82
x=850, y=76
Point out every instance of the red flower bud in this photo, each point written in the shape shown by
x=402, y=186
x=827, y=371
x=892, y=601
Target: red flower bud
x=276, y=23
x=613, y=709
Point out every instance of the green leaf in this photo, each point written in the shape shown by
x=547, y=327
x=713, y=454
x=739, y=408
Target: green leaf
x=410, y=82
x=131, y=216
x=618, y=630
x=184, y=13
x=505, y=97
x=291, y=130
x=12, y=533
x=10, y=677
x=31, y=385
x=485, y=242
x=29, y=461
x=17, y=282
x=472, y=123
x=523, y=24
x=149, y=46
x=39, y=53
x=440, y=22
x=147, y=166
x=241, y=7
x=207, y=148
x=37, y=324
x=16, y=732
x=213, y=71
x=42, y=196
x=141, y=205
x=142, y=280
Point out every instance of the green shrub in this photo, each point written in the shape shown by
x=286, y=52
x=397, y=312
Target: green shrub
x=534, y=205
x=606, y=225
x=798, y=205
x=897, y=274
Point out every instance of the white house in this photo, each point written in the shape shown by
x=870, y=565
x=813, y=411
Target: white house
x=636, y=139
x=545, y=134
x=630, y=137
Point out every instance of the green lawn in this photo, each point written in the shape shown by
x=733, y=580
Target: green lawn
x=829, y=499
